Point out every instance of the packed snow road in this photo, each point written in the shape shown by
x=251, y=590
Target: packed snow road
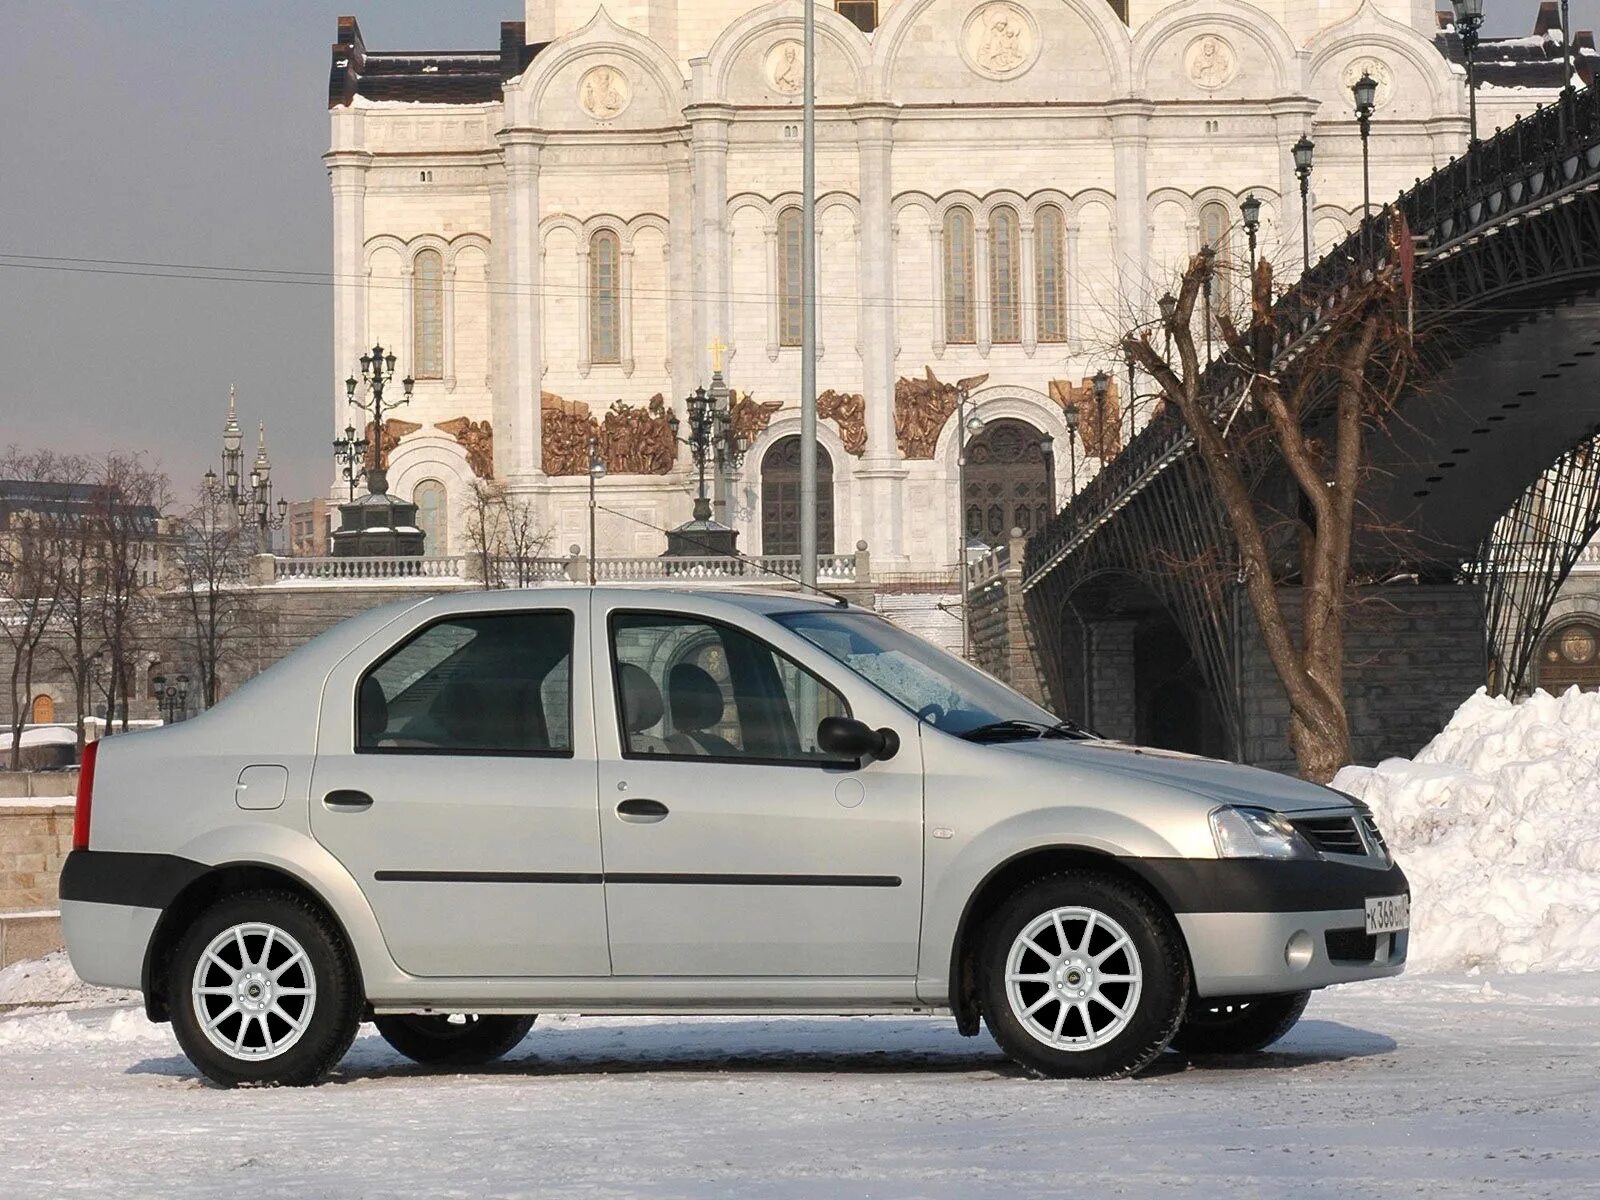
x=1438, y=1086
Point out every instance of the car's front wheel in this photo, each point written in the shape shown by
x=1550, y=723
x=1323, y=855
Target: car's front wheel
x=262, y=990
x=1084, y=976
x=1239, y=1025
x=453, y=1039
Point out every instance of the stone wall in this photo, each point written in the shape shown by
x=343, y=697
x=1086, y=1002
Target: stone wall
x=35, y=836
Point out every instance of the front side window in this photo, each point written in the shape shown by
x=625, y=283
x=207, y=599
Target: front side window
x=940, y=688
x=690, y=688
x=499, y=684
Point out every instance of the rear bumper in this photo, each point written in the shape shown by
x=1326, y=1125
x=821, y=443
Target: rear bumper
x=111, y=902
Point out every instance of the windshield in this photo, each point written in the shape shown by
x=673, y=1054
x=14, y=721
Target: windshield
x=940, y=688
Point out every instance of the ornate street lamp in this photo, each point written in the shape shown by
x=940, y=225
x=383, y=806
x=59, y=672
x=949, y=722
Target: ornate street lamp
x=172, y=697
x=1047, y=451
x=713, y=443
x=1302, y=169
x=597, y=472
x=350, y=452
x=1250, y=213
x=1365, y=91
x=377, y=369
x=1072, y=448
x=256, y=506
x=1102, y=389
x=968, y=425
x=1469, y=19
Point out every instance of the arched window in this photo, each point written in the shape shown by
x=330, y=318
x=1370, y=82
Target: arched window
x=433, y=516
x=790, y=267
x=1005, y=269
x=1008, y=482
x=1215, y=232
x=780, y=499
x=1050, y=272
x=605, y=298
x=427, y=314
x=958, y=283
x=863, y=14
x=1570, y=655
x=44, y=709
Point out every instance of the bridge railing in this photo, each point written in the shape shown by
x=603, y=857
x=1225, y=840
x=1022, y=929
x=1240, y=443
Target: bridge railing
x=1548, y=151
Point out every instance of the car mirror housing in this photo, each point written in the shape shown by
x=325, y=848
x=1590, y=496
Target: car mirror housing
x=856, y=739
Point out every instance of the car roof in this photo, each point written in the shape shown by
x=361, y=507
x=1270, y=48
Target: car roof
x=763, y=600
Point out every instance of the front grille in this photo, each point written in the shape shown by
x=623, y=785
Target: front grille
x=1374, y=834
x=1332, y=835
x=1351, y=945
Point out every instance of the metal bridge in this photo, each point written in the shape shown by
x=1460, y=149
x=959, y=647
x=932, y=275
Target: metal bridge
x=1487, y=475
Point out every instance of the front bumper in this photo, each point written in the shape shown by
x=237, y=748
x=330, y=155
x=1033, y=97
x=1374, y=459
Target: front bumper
x=1240, y=918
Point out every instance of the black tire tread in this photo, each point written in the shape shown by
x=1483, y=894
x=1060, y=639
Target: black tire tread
x=493, y=1037
x=1266, y=1020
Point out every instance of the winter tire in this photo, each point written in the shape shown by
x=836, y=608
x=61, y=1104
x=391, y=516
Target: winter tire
x=1083, y=976
x=262, y=990
x=1238, y=1025
x=454, y=1039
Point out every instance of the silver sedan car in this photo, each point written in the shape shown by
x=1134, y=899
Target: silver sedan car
x=450, y=814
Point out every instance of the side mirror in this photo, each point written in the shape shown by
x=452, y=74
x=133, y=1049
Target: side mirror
x=851, y=738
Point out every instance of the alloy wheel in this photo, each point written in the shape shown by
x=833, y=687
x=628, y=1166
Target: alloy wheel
x=253, y=991
x=1073, y=978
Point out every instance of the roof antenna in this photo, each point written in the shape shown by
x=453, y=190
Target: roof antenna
x=718, y=552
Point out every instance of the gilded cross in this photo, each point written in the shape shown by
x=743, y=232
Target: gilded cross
x=718, y=349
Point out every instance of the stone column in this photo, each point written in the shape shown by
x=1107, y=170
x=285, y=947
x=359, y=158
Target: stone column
x=517, y=404
x=1130, y=143
x=982, y=289
x=881, y=476
x=708, y=139
x=680, y=274
x=1027, y=286
x=347, y=172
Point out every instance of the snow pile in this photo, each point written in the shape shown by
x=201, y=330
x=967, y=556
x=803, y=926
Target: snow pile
x=51, y=980
x=1497, y=824
x=68, y=1031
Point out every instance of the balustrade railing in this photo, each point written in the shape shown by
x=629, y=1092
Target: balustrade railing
x=1548, y=152
x=444, y=566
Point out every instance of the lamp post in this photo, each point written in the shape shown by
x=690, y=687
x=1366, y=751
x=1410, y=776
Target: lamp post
x=1047, y=451
x=256, y=506
x=597, y=472
x=1102, y=389
x=711, y=441
x=173, y=697
x=377, y=369
x=1566, y=50
x=350, y=452
x=1250, y=213
x=1169, y=309
x=966, y=426
x=1469, y=18
x=1072, y=449
x=1365, y=92
x=1302, y=169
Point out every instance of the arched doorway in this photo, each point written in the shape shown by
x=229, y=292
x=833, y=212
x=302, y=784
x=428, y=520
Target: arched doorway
x=780, y=499
x=1570, y=655
x=1008, y=482
x=433, y=516
x=44, y=710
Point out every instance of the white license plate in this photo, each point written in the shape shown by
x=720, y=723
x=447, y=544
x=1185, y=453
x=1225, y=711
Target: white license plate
x=1388, y=914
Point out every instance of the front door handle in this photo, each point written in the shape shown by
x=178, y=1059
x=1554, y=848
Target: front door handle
x=346, y=800
x=640, y=811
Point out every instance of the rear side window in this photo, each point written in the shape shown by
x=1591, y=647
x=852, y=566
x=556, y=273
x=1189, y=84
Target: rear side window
x=498, y=684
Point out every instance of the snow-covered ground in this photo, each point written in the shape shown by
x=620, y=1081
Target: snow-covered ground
x=1429, y=1086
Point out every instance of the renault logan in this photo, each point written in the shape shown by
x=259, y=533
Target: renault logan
x=450, y=814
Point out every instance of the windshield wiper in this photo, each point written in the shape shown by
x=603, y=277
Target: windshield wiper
x=1003, y=731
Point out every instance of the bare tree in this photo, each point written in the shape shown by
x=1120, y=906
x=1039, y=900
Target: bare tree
x=77, y=640
x=1361, y=353
x=503, y=535
x=30, y=574
x=212, y=566
x=128, y=500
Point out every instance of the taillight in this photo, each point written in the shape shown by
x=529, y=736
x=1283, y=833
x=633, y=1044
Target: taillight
x=80, y=817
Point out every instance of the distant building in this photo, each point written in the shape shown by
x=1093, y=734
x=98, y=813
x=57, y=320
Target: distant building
x=308, y=525
x=27, y=505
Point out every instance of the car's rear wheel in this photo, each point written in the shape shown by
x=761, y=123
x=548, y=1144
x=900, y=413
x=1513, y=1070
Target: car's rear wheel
x=1083, y=976
x=454, y=1039
x=262, y=990
x=1238, y=1025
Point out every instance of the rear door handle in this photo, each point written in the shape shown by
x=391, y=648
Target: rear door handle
x=346, y=800
x=640, y=811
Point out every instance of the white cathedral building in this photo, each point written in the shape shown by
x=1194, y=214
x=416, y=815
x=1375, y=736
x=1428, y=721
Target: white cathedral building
x=559, y=237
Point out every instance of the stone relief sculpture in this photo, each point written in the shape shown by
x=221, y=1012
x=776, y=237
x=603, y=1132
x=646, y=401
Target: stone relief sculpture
x=477, y=439
x=393, y=430
x=849, y=411
x=1096, y=443
x=1380, y=72
x=785, y=68
x=635, y=439
x=750, y=416
x=922, y=406
x=1210, y=62
x=999, y=41
x=603, y=93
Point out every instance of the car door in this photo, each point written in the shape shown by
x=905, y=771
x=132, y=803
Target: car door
x=733, y=846
x=455, y=780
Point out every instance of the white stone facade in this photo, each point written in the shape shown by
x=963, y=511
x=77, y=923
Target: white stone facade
x=674, y=125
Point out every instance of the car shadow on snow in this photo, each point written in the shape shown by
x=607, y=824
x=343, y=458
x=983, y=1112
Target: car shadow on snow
x=791, y=1046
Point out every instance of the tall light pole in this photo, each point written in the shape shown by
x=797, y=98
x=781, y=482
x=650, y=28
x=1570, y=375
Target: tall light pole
x=377, y=369
x=1250, y=212
x=257, y=505
x=1469, y=18
x=966, y=426
x=597, y=472
x=1566, y=50
x=350, y=452
x=1072, y=449
x=808, y=308
x=1302, y=169
x=1365, y=91
x=1102, y=389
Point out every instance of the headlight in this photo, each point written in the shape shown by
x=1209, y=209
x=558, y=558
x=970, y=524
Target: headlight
x=1256, y=833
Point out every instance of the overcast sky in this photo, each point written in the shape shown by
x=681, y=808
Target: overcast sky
x=190, y=131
